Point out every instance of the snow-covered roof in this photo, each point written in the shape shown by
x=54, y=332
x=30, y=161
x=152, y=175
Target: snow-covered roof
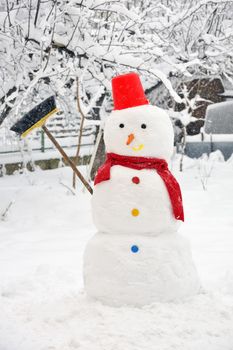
x=227, y=93
x=219, y=118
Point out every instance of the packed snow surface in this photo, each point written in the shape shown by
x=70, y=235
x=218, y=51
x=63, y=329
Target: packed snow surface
x=43, y=234
x=139, y=270
x=113, y=199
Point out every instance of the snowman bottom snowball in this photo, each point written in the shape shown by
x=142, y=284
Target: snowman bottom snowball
x=121, y=270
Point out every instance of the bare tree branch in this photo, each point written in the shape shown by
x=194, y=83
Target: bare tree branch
x=80, y=130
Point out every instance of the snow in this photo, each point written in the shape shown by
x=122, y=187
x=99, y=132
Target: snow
x=162, y=269
x=219, y=118
x=210, y=138
x=218, y=105
x=115, y=198
x=42, y=239
x=227, y=93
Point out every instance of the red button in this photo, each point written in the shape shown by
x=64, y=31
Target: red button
x=136, y=180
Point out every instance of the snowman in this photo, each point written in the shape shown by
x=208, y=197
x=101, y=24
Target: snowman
x=137, y=257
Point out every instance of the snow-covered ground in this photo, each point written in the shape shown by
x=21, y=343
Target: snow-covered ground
x=42, y=239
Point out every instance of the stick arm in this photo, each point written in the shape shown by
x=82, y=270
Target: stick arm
x=69, y=161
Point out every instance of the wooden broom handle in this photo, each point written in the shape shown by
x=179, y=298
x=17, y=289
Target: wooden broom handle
x=69, y=161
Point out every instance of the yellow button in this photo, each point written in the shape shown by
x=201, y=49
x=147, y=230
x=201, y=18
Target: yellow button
x=135, y=212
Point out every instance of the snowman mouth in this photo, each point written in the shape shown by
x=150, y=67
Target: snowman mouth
x=138, y=148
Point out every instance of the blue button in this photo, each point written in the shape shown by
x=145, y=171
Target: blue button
x=134, y=249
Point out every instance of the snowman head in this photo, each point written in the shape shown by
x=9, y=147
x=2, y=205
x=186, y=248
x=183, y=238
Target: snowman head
x=135, y=128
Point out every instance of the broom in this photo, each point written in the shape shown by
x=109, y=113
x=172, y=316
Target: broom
x=36, y=118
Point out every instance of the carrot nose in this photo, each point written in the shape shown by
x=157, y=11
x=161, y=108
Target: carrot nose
x=131, y=137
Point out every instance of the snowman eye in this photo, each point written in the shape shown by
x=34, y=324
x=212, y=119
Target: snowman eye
x=121, y=125
x=143, y=126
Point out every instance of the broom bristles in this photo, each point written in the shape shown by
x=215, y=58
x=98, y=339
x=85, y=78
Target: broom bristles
x=36, y=117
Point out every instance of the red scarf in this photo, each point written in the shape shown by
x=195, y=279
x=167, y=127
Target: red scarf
x=139, y=163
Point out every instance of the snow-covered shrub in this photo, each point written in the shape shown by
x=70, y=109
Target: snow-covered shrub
x=46, y=45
